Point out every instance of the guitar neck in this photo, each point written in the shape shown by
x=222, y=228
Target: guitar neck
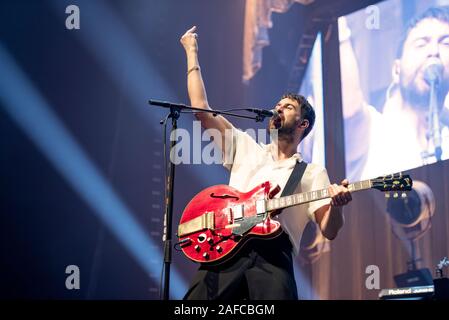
x=305, y=197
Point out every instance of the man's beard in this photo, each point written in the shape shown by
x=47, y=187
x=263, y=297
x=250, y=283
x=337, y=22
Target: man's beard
x=284, y=132
x=420, y=100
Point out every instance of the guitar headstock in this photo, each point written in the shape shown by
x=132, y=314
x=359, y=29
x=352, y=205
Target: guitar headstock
x=393, y=182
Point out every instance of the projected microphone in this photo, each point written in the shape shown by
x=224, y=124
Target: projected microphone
x=266, y=113
x=433, y=74
x=434, y=71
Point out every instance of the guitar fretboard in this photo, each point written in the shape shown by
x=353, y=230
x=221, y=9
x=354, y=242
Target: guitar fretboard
x=304, y=197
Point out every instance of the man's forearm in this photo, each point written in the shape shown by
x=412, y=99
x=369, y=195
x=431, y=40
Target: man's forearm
x=196, y=88
x=195, y=83
x=333, y=222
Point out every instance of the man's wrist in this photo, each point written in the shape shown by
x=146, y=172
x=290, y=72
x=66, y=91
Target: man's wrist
x=192, y=50
x=194, y=68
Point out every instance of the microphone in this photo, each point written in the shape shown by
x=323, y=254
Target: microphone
x=261, y=113
x=266, y=113
x=166, y=104
x=434, y=71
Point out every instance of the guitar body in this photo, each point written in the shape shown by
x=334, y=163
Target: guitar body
x=219, y=219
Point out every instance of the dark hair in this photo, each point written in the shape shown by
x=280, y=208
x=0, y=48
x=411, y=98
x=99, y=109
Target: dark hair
x=438, y=13
x=307, y=111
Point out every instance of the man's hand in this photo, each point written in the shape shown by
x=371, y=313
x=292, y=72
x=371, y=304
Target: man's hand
x=189, y=40
x=340, y=194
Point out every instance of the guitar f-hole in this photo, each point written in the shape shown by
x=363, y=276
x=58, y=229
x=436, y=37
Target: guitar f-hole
x=223, y=196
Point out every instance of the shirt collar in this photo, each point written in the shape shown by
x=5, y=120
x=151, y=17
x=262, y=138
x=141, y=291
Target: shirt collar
x=269, y=148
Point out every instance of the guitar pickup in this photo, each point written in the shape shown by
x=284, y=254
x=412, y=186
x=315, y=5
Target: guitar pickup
x=237, y=212
x=261, y=207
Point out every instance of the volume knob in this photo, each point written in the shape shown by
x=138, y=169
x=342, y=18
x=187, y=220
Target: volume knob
x=201, y=238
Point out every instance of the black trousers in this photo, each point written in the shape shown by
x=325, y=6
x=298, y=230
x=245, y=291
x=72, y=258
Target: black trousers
x=261, y=270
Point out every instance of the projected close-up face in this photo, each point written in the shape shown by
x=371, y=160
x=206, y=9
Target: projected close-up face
x=395, y=77
x=426, y=43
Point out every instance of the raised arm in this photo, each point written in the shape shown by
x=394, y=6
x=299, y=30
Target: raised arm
x=355, y=109
x=352, y=95
x=196, y=88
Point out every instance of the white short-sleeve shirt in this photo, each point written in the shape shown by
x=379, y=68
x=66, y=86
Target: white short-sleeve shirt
x=251, y=164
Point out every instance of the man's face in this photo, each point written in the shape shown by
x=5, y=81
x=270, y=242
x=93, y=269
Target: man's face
x=428, y=41
x=289, y=117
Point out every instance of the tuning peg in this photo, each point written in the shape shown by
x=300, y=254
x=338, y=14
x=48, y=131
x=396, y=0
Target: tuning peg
x=387, y=195
x=403, y=195
x=395, y=195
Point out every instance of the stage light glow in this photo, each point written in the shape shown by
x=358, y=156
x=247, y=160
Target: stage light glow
x=28, y=108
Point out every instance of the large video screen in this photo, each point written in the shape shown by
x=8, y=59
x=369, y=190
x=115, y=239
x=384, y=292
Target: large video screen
x=312, y=148
x=395, y=80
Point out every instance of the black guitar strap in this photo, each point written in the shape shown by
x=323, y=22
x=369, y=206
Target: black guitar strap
x=295, y=178
x=290, y=187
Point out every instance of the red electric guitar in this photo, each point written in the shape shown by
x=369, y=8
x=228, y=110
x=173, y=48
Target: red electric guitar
x=219, y=219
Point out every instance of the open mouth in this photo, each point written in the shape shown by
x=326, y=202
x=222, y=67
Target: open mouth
x=277, y=123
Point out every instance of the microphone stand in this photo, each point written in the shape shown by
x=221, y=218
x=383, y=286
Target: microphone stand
x=175, y=112
x=433, y=124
